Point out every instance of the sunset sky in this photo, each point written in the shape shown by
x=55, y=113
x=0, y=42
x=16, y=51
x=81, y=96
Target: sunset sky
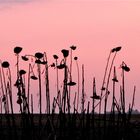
x=94, y=26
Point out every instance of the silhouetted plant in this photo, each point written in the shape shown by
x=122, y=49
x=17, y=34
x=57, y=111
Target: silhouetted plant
x=78, y=83
x=65, y=125
x=61, y=66
x=70, y=72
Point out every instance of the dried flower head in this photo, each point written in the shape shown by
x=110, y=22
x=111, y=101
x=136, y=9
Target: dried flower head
x=55, y=56
x=52, y=65
x=126, y=68
x=5, y=64
x=71, y=83
x=38, y=61
x=25, y=58
x=65, y=52
x=43, y=62
x=33, y=77
x=61, y=66
x=21, y=72
x=75, y=58
x=96, y=97
x=115, y=80
x=73, y=47
x=116, y=49
x=39, y=55
x=17, y=50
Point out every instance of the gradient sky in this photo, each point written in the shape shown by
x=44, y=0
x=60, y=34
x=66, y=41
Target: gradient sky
x=94, y=26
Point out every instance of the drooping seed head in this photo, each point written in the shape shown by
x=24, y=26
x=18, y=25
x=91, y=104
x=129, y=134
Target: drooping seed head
x=71, y=83
x=39, y=55
x=43, y=62
x=73, y=47
x=96, y=97
x=55, y=56
x=17, y=50
x=25, y=58
x=5, y=64
x=61, y=66
x=115, y=80
x=116, y=49
x=33, y=77
x=52, y=65
x=38, y=61
x=22, y=72
x=126, y=68
x=65, y=53
x=75, y=58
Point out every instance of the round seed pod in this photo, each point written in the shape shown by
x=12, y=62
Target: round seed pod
x=55, y=56
x=65, y=52
x=5, y=64
x=21, y=72
x=17, y=50
x=39, y=55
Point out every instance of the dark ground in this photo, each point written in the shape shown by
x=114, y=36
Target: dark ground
x=66, y=127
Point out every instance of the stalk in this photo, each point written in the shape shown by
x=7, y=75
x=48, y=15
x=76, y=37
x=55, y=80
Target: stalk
x=28, y=92
x=47, y=86
x=78, y=87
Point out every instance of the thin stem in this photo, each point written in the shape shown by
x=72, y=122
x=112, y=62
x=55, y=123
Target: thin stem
x=78, y=87
x=39, y=85
x=10, y=90
x=32, y=104
x=83, y=92
x=4, y=81
x=2, y=90
x=47, y=86
x=28, y=93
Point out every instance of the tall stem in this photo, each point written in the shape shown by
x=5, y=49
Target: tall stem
x=10, y=91
x=65, y=90
x=78, y=87
x=2, y=90
x=4, y=81
x=39, y=84
x=113, y=99
x=28, y=94
x=83, y=92
x=104, y=78
x=32, y=104
x=70, y=76
x=47, y=86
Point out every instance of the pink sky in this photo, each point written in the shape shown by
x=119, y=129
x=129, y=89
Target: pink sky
x=94, y=26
